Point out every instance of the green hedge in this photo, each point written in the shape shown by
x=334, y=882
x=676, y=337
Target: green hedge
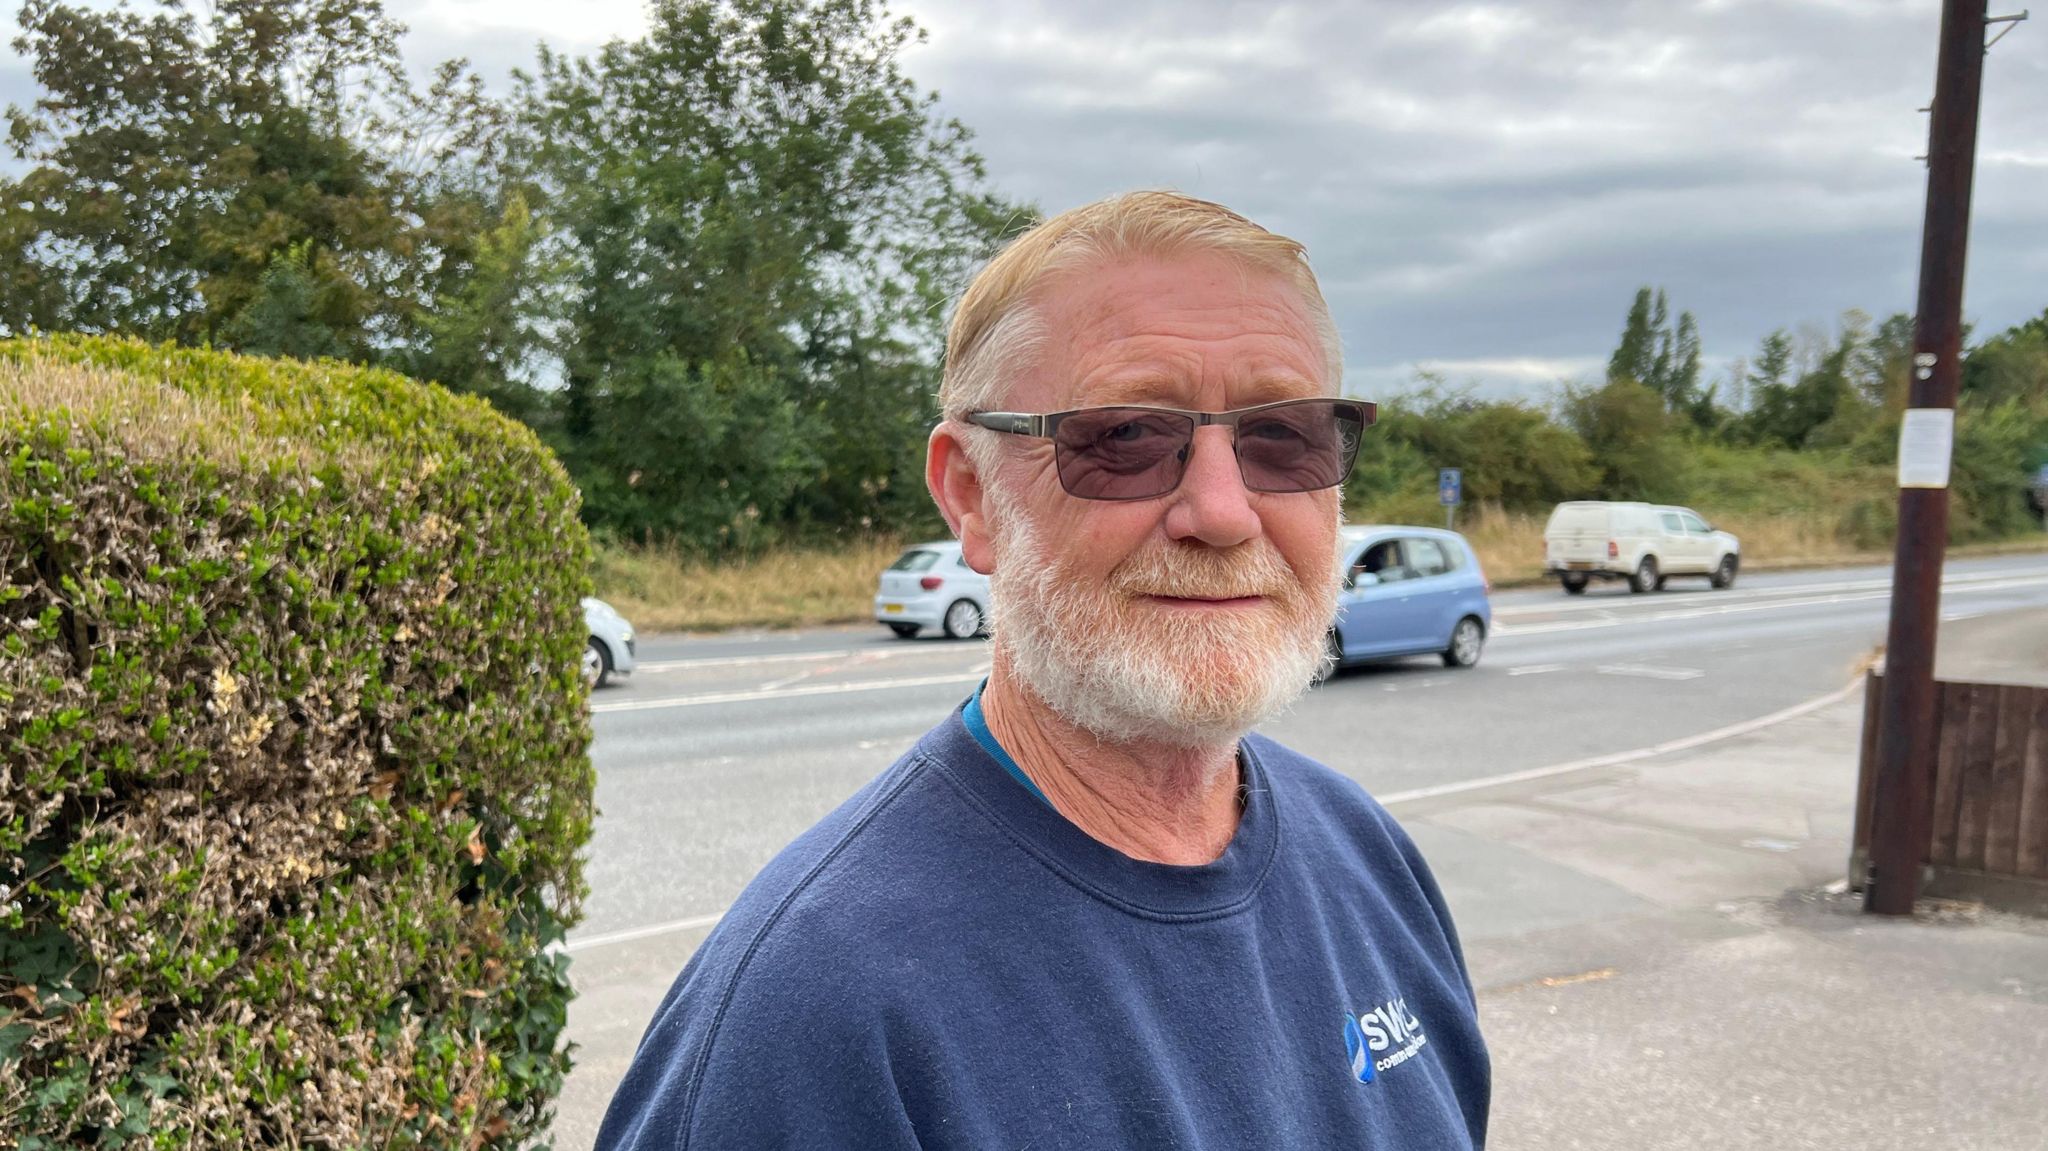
x=293, y=755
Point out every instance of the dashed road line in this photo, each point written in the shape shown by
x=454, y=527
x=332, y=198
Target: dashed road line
x=1644, y=671
x=784, y=693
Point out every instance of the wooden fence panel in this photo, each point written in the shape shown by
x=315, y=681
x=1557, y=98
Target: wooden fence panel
x=1980, y=742
x=1952, y=722
x=2008, y=774
x=2033, y=816
x=1990, y=786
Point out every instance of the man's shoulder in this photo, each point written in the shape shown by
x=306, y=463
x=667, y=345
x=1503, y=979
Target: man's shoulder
x=870, y=862
x=811, y=953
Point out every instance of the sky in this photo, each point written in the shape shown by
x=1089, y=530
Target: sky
x=1481, y=187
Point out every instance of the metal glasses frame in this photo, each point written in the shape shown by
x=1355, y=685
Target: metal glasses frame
x=1046, y=425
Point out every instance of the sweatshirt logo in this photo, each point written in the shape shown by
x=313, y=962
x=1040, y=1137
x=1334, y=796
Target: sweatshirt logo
x=1369, y=1035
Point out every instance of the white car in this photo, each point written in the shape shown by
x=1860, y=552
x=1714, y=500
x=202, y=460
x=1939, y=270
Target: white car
x=1644, y=544
x=610, y=650
x=930, y=585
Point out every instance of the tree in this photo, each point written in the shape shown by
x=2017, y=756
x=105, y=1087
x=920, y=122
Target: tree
x=761, y=216
x=1625, y=426
x=489, y=334
x=284, y=318
x=1512, y=454
x=1635, y=357
x=1657, y=354
x=204, y=179
x=2010, y=366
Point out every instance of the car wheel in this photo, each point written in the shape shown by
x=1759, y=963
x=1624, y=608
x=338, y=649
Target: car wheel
x=963, y=619
x=1467, y=639
x=1724, y=573
x=904, y=630
x=1333, y=658
x=1646, y=576
x=597, y=664
x=1574, y=584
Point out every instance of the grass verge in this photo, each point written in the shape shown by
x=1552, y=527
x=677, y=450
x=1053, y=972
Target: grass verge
x=662, y=591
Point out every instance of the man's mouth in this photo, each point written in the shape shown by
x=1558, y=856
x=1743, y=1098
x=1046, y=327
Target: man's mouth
x=1203, y=600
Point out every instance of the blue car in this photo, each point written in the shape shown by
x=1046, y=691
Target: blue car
x=1410, y=591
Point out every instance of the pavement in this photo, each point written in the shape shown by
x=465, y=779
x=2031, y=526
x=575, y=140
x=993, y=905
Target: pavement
x=1666, y=959
x=1664, y=955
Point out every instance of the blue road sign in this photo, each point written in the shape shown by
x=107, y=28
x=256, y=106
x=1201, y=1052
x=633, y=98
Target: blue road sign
x=1450, y=487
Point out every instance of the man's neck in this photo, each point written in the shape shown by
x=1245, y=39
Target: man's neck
x=1151, y=801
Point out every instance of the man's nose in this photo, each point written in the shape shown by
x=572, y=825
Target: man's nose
x=1212, y=504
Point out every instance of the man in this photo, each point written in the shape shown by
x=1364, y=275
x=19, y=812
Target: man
x=1088, y=910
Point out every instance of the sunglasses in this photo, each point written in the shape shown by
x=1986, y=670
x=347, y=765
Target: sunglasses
x=1141, y=453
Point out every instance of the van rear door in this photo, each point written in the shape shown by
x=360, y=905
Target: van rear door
x=1576, y=538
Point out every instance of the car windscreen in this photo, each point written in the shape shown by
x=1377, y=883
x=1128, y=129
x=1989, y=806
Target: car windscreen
x=914, y=561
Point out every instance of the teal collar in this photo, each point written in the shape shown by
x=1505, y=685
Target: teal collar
x=977, y=726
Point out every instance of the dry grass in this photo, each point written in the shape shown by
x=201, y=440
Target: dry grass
x=660, y=591
x=1510, y=546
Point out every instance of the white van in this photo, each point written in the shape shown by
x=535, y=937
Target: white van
x=1644, y=544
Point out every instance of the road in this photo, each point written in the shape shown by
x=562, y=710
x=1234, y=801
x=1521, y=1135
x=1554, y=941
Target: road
x=720, y=750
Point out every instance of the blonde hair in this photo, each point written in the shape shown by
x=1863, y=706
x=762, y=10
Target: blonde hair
x=994, y=327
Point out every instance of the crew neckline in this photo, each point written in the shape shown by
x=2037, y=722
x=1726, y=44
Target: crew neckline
x=1138, y=887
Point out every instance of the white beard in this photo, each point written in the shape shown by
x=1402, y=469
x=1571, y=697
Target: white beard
x=1125, y=671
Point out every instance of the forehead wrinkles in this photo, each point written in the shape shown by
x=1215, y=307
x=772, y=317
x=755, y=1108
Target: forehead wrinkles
x=1251, y=325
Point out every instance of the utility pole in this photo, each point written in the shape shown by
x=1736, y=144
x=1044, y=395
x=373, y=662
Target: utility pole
x=1902, y=817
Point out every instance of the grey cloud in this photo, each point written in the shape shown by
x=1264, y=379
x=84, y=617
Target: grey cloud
x=1492, y=182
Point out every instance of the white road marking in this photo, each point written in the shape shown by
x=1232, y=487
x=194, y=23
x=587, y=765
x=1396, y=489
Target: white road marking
x=1623, y=603
x=1537, y=669
x=1644, y=671
x=867, y=655
x=585, y=943
x=1389, y=800
x=1503, y=630
x=784, y=693
x=744, y=660
x=1621, y=758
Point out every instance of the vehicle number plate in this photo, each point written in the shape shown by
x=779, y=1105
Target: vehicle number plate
x=1579, y=567
x=892, y=608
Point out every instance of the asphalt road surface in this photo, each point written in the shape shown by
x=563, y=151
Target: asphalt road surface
x=721, y=750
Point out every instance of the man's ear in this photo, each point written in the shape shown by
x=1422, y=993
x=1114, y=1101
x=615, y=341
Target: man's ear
x=957, y=488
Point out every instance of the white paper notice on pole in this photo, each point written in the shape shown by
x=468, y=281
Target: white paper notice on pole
x=1926, y=442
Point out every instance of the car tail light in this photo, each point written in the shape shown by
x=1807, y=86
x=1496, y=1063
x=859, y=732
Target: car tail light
x=932, y=583
x=1613, y=550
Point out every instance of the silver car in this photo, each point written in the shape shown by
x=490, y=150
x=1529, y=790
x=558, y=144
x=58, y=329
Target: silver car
x=610, y=650
x=930, y=585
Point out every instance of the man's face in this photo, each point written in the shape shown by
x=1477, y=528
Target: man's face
x=1189, y=618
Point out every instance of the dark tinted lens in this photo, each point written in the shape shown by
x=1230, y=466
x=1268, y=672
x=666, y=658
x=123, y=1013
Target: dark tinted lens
x=1300, y=447
x=1121, y=453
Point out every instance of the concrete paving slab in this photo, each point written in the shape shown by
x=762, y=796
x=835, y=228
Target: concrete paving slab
x=1496, y=889
x=1812, y=1028
x=1700, y=809
x=1673, y=869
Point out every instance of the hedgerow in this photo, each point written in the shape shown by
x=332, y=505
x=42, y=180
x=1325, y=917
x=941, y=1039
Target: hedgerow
x=293, y=755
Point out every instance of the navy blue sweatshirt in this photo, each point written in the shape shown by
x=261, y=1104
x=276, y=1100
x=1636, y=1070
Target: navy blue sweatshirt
x=947, y=962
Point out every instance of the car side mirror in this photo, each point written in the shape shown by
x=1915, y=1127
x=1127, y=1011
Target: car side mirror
x=1365, y=579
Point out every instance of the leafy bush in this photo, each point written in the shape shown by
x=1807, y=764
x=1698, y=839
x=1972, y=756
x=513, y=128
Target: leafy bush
x=293, y=755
